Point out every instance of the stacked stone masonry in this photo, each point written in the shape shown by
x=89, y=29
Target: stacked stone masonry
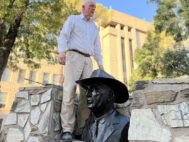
x=160, y=111
x=35, y=116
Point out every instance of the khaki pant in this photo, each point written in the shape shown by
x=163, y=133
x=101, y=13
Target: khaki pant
x=77, y=67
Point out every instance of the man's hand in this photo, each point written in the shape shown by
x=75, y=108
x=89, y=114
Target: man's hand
x=101, y=67
x=62, y=58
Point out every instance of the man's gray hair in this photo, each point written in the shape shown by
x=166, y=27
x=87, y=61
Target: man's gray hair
x=85, y=2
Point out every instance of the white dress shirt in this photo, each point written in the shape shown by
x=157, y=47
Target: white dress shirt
x=78, y=33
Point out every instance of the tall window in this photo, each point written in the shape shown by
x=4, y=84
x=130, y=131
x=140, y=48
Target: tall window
x=32, y=77
x=45, y=78
x=123, y=60
x=55, y=79
x=6, y=75
x=2, y=99
x=21, y=76
x=131, y=53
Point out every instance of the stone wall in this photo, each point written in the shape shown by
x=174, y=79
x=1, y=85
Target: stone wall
x=35, y=116
x=160, y=111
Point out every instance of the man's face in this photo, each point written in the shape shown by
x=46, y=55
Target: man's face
x=97, y=96
x=89, y=9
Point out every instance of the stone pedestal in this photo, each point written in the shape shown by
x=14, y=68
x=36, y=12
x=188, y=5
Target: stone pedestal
x=34, y=116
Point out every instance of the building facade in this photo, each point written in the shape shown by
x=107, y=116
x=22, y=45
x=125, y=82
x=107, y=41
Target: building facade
x=119, y=40
x=12, y=81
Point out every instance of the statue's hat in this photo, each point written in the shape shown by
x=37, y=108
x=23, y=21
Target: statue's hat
x=120, y=90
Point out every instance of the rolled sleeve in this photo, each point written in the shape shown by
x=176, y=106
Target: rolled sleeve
x=97, y=51
x=65, y=35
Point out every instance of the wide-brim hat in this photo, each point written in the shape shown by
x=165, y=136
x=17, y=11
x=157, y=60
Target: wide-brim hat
x=120, y=90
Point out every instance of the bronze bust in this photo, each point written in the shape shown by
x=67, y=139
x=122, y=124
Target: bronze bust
x=105, y=123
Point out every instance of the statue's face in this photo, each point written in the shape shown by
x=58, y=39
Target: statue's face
x=97, y=95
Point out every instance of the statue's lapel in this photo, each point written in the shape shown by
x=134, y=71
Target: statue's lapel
x=106, y=129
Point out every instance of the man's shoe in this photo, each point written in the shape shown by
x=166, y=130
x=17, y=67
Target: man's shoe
x=67, y=137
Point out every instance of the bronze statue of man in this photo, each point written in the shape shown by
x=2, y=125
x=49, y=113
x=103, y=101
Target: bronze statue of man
x=105, y=123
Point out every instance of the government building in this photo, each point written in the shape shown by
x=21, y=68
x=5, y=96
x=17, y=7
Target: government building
x=119, y=40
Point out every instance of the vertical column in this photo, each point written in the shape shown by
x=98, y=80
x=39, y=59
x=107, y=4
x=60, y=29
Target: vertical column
x=127, y=53
x=101, y=38
x=50, y=77
x=95, y=65
x=119, y=55
x=134, y=43
x=105, y=47
x=61, y=75
x=14, y=76
x=9, y=100
x=27, y=75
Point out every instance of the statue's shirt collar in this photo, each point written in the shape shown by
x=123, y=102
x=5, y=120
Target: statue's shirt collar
x=104, y=117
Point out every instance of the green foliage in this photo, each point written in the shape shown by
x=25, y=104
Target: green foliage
x=172, y=16
x=148, y=57
x=175, y=63
x=159, y=57
x=154, y=60
x=38, y=31
x=41, y=22
x=135, y=77
x=184, y=14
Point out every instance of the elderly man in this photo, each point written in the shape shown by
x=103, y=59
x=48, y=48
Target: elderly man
x=80, y=36
x=105, y=124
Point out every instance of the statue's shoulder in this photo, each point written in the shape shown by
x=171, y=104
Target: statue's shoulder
x=118, y=121
x=121, y=118
x=118, y=126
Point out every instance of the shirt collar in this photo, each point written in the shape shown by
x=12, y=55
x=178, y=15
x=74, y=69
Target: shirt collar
x=102, y=118
x=83, y=17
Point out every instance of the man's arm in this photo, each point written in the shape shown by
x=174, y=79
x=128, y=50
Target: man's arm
x=97, y=52
x=63, y=40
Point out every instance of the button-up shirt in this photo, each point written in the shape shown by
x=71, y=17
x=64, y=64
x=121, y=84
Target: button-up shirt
x=78, y=33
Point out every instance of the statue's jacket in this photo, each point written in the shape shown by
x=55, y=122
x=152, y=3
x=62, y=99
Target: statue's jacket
x=112, y=127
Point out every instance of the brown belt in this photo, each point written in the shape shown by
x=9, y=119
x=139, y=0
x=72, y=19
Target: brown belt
x=84, y=54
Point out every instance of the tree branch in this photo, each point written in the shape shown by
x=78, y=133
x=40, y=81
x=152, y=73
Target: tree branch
x=2, y=21
x=13, y=30
x=1, y=31
x=9, y=6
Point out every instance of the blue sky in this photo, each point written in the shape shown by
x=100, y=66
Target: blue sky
x=136, y=8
